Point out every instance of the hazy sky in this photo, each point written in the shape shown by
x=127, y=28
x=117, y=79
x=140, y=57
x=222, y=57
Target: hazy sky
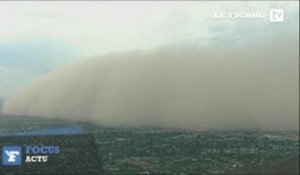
x=38, y=37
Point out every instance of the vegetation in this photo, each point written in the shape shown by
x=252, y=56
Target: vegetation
x=167, y=151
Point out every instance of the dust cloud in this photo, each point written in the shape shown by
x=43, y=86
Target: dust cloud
x=214, y=85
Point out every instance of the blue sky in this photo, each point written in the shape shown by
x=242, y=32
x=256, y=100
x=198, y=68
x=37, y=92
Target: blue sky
x=39, y=37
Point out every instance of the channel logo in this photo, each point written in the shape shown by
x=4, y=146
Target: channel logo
x=276, y=15
x=11, y=155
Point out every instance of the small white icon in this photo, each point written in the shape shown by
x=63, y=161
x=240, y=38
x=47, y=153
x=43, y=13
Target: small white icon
x=276, y=15
x=12, y=155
